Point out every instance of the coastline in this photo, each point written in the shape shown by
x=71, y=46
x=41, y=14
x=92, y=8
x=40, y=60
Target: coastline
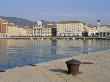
x=56, y=37
x=56, y=70
x=69, y=58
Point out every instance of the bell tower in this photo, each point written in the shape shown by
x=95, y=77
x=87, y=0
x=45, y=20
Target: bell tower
x=98, y=24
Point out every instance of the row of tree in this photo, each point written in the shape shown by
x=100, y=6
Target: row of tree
x=98, y=34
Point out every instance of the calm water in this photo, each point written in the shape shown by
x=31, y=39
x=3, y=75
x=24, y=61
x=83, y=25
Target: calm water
x=17, y=53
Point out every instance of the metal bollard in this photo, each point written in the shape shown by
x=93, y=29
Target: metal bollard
x=73, y=66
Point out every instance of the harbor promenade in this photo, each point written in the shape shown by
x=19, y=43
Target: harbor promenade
x=42, y=37
x=56, y=71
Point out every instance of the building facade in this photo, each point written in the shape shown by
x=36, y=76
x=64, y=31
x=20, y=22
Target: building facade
x=51, y=29
x=44, y=31
x=29, y=31
x=13, y=30
x=102, y=30
x=3, y=27
x=70, y=28
x=91, y=29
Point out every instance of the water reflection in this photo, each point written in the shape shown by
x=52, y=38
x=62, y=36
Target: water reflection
x=53, y=46
x=20, y=52
x=3, y=52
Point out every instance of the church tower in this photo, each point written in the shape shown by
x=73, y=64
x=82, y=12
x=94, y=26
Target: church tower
x=98, y=24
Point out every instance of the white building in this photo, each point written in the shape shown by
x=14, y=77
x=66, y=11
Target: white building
x=70, y=28
x=44, y=31
x=91, y=29
x=41, y=31
x=103, y=30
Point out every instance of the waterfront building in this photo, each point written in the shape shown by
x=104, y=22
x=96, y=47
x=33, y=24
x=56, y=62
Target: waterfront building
x=102, y=30
x=29, y=31
x=10, y=29
x=99, y=30
x=13, y=30
x=70, y=28
x=91, y=29
x=44, y=29
x=3, y=27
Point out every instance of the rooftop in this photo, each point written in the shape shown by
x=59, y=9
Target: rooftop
x=91, y=26
x=66, y=22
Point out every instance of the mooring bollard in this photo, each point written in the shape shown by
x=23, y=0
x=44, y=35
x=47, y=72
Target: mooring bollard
x=2, y=70
x=32, y=64
x=73, y=66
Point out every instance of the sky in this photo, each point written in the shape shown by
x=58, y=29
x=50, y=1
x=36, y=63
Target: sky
x=57, y=10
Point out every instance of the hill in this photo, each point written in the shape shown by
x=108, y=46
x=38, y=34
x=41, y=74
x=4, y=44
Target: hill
x=19, y=21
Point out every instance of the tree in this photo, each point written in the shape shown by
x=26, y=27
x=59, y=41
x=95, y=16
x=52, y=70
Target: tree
x=92, y=34
x=108, y=33
x=104, y=34
x=101, y=34
x=97, y=34
x=85, y=34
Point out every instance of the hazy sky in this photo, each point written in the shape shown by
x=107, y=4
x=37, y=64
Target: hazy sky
x=85, y=10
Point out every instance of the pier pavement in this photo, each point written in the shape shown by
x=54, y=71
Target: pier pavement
x=56, y=71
